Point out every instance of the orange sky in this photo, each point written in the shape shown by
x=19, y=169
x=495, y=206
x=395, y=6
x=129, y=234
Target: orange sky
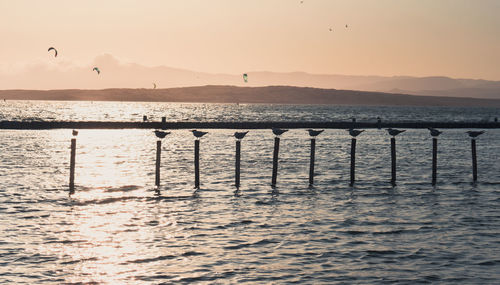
x=457, y=38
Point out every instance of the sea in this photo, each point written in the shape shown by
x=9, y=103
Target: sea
x=117, y=228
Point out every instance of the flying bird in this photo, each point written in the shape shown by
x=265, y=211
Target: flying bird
x=161, y=134
x=314, y=133
x=55, y=51
x=434, y=132
x=474, y=134
x=240, y=135
x=75, y=133
x=198, y=134
x=278, y=132
x=354, y=132
x=394, y=132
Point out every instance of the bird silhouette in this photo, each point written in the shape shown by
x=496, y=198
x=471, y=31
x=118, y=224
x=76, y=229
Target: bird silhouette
x=75, y=133
x=314, y=133
x=394, y=132
x=434, y=132
x=198, y=134
x=474, y=134
x=279, y=132
x=354, y=132
x=161, y=134
x=240, y=135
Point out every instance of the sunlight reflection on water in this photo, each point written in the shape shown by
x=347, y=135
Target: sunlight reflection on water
x=115, y=230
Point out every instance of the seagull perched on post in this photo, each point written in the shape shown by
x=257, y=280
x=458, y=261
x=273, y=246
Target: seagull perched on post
x=434, y=132
x=161, y=134
x=394, y=132
x=75, y=133
x=240, y=135
x=198, y=134
x=354, y=133
x=278, y=132
x=314, y=133
x=474, y=134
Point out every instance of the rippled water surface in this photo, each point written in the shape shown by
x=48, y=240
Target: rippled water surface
x=116, y=230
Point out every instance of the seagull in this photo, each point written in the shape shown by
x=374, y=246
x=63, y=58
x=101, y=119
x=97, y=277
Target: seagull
x=75, y=133
x=314, y=133
x=198, y=134
x=279, y=132
x=474, y=134
x=434, y=132
x=240, y=135
x=161, y=134
x=354, y=133
x=394, y=132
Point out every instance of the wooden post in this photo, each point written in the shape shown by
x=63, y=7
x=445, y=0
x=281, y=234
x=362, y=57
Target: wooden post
x=158, y=158
x=353, y=160
x=311, y=162
x=275, y=160
x=197, y=164
x=237, y=165
x=72, y=167
x=434, y=160
x=474, y=160
x=393, y=161
x=163, y=123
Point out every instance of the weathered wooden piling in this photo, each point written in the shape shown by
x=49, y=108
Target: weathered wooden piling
x=275, y=160
x=72, y=167
x=197, y=164
x=311, y=161
x=353, y=160
x=379, y=123
x=237, y=165
x=393, y=161
x=434, y=160
x=474, y=160
x=158, y=159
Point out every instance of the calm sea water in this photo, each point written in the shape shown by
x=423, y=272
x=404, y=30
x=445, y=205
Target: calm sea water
x=115, y=230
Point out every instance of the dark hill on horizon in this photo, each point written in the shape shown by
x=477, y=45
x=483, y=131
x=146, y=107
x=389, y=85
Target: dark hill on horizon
x=233, y=94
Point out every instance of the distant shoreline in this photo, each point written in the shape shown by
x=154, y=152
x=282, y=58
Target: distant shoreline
x=248, y=95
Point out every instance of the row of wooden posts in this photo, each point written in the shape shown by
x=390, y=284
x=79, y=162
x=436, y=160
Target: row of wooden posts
x=275, y=162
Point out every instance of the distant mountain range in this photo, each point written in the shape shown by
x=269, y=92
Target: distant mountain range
x=115, y=74
x=233, y=94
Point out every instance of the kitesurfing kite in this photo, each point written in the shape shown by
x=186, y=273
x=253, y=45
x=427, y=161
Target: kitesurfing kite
x=55, y=51
x=245, y=77
x=96, y=69
x=154, y=85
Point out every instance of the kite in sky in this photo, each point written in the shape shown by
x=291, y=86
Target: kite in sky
x=55, y=51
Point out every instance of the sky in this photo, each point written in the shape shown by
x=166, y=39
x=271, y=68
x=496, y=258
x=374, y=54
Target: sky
x=455, y=38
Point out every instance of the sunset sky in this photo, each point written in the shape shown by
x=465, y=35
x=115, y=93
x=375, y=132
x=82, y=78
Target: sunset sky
x=456, y=38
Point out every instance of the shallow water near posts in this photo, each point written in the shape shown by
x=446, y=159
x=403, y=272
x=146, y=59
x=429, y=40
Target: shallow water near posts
x=116, y=230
